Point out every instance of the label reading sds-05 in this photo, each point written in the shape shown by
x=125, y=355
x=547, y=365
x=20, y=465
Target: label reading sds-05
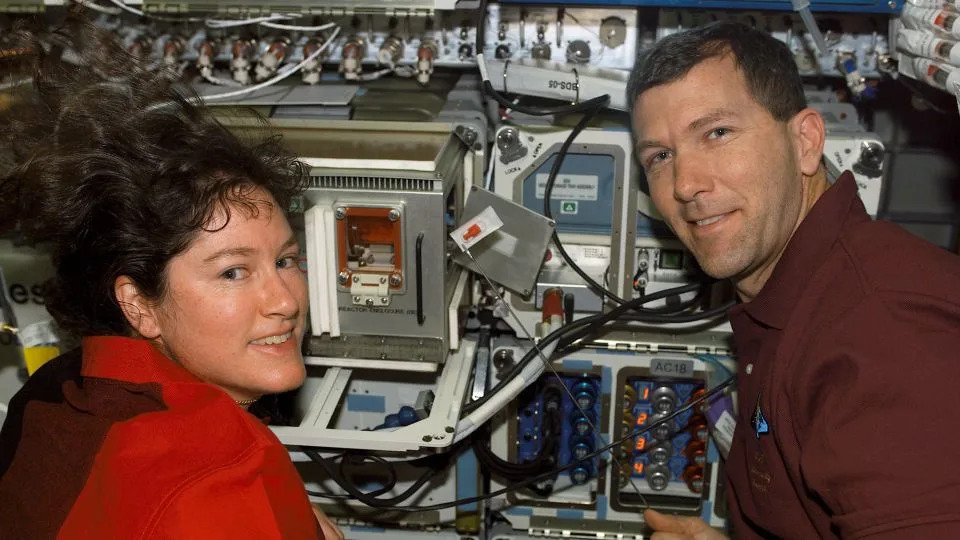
x=562, y=85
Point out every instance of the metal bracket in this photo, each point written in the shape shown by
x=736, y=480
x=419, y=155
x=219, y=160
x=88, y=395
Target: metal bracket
x=469, y=137
x=438, y=430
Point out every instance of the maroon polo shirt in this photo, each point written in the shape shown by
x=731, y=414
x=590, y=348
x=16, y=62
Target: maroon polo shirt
x=851, y=352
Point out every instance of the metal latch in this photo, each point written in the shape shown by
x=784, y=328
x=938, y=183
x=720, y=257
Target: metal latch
x=372, y=290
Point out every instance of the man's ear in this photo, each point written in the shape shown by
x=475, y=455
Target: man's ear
x=139, y=312
x=809, y=134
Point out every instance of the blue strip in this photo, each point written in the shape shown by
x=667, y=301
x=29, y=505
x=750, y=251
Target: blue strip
x=467, y=479
x=366, y=403
x=570, y=514
x=602, y=507
x=606, y=381
x=707, y=511
x=577, y=365
x=519, y=511
x=713, y=455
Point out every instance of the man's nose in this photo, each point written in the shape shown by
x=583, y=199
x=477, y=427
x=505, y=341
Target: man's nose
x=692, y=177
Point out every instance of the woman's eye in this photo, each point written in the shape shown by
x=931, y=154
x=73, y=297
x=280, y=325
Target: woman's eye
x=289, y=261
x=234, y=274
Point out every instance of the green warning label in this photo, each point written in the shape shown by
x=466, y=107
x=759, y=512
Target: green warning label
x=568, y=207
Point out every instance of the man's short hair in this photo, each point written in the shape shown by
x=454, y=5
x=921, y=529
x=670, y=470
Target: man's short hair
x=767, y=65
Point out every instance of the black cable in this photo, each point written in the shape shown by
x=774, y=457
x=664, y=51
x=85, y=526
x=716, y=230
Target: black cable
x=548, y=190
x=657, y=315
x=392, y=471
x=515, y=370
x=550, y=431
x=334, y=496
x=590, y=108
x=597, y=320
x=515, y=471
x=386, y=503
x=367, y=498
x=652, y=318
x=679, y=307
x=418, y=259
x=589, y=325
x=582, y=107
x=549, y=474
x=636, y=304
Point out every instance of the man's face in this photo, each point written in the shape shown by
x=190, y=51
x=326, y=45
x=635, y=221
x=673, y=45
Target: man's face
x=722, y=171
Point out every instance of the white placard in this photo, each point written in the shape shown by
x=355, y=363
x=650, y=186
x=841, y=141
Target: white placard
x=570, y=187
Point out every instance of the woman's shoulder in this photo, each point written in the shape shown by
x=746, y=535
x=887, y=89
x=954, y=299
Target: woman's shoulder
x=200, y=421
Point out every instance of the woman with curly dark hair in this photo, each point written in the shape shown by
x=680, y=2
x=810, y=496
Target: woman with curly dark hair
x=176, y=265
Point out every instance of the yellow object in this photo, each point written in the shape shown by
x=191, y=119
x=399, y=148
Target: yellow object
x=35, y=357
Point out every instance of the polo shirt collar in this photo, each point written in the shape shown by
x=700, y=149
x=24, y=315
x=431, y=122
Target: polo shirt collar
x=808, y=246
x=131, y=360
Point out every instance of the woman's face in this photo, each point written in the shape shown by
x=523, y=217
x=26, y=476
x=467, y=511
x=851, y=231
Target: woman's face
x=236, y=302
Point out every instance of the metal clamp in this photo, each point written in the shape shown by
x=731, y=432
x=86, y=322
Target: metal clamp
x=576, y=86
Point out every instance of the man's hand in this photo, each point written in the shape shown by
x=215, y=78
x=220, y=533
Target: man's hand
x=327, y=527
x=679, y=528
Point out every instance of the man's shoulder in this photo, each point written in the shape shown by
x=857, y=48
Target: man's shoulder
x=890, y=260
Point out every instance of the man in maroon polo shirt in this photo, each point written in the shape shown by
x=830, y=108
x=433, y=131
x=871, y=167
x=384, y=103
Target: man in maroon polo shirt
x=848, y=330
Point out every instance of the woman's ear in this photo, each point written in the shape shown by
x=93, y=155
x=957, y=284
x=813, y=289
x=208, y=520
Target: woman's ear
x=139, y=312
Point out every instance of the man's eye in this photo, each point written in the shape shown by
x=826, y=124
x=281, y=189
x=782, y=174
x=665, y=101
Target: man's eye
x=717, y=133
x=658, y=157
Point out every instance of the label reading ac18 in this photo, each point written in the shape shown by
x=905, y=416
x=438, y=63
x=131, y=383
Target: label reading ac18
x=562, y=85
x=662, y=367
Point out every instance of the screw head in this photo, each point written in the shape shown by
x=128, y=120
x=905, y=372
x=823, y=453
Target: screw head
x=395, y=280
x=383, y=281
x=393, y=215
x=356, y=299
x=343, y=277
x=508, y=138
x=356, y=279
x=369, y=301
x=658, y=482
x=383, y=300
x=891, y=4
x=340, y=212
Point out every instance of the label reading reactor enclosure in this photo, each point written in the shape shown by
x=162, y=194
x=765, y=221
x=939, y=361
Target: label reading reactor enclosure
x=570, y=187
x=671, y=368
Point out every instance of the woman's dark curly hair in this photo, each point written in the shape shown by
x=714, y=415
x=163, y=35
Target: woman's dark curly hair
x=118, y=170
